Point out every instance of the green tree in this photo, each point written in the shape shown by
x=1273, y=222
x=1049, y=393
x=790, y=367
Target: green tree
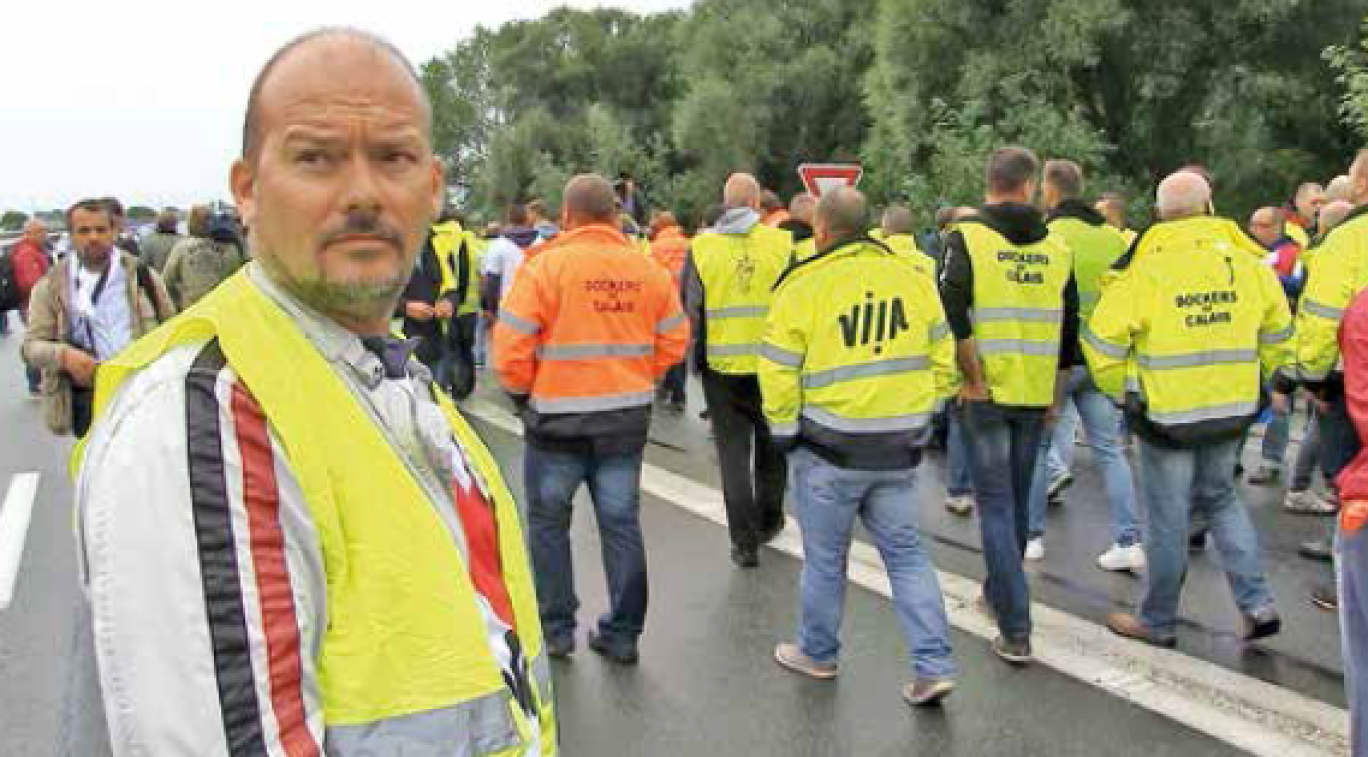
x=13, y=220
x=1350, y=63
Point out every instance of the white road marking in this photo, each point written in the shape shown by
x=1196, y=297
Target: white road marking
x=14, y=523
x=1245, y=712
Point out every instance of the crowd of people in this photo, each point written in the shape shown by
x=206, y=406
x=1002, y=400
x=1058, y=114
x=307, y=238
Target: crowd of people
x=314, y=482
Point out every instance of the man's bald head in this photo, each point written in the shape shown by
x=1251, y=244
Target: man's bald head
x=334, y=42
x=802, y=206
x=1334, y=213
x=1183, y=195
x=741, y=191
x=842, y=214
x=589, y=199
x=1338, y=189
x=34, y=230
x=897, y=219
x=1266, y=225
x=1358, y=179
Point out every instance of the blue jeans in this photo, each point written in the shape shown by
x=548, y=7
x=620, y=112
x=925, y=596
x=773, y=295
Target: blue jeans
x=551, y=480
x=958, y=483
x=1101, y=425
x=1351, y=568
x=827, y=501
x=1175, y=483
x=1003, y=444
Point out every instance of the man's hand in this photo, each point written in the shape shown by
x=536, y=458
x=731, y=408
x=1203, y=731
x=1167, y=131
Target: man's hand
x=80, y=366
x=418, y=311
x=974, y=393
x=444, y=309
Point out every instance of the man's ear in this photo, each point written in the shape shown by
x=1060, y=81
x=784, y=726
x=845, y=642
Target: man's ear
x=242, y=183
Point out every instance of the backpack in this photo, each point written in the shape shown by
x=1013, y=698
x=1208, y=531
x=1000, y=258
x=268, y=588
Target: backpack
x=9, y=288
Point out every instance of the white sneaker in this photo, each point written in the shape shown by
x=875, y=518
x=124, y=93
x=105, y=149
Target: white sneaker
x=960, y=505
x=1035, y=549
x=1120, y=558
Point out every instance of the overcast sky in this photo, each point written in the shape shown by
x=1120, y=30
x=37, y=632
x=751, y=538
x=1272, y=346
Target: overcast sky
x=143, y=99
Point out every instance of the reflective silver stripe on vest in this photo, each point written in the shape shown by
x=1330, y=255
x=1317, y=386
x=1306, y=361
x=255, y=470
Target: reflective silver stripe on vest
x=1017, y=347
x=541, y=673
x=780, y=356
x=1106, y=348
x=784, y=430
x=517, y=324
x=914, y=422
x=1031, y=315
x=738, y=312
x=938, y=332
x=1324, y=311
x=591, y=404
x=589, y=351
x=1219, y=412
x=469, y=729
x=1196, y=359
x=822, y=379
x=733, y=350
x=668, y=325
x=1277, y=337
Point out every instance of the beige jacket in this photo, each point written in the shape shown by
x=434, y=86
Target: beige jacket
x=46, y=336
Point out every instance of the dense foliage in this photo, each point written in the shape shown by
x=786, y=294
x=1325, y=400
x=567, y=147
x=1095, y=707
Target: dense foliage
x=1265, y=93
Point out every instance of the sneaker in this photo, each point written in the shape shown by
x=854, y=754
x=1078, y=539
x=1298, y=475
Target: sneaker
x=790, y=656
x=962, y=504
x=1127, y=625
x=1015, y=652
x=1120, y=558
x=1266, y=475
x=1307, y=502
x=1326, y=597
x=1261, y=624
x=1320, y=550
x=1035, y=549
x=1057, y=487
x=928, y=691
x=621, y=654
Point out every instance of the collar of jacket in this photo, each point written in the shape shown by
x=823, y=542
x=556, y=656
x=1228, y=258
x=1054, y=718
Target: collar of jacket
x=595, y=233
x=1077, y=209
x=843, y=248
x=1018, y=222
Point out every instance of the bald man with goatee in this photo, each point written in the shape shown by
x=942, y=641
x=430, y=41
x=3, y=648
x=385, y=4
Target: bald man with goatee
x=728, y=283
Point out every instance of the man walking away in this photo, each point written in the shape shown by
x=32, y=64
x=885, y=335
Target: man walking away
x=85, y=311
x=670, y=248
x=212, y=253
x=1205, y=324
x=582, y=338
x=505, y=255
x=728, y=285
x=1094, y=247
x=28, y=263
x=156, y=248
x=1010, y=299
x=853, y=404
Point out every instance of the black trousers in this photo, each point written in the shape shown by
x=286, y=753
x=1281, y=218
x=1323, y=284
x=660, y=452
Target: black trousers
x=672, y=388
x=753, y=468
x=460, y=355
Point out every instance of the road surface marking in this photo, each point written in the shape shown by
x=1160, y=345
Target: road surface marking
x=1245, y=712
x=14, y=523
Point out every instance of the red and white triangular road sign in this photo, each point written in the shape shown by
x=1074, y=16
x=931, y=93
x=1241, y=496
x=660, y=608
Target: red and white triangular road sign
x=824, y=177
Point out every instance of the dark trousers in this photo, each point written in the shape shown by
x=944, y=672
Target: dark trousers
x=82, y=410
x=1003, y=444
x=754, y=495
x=672, y=388
x=459, y=360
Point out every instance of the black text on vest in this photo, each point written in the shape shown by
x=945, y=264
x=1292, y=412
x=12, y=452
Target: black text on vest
x=873, y=322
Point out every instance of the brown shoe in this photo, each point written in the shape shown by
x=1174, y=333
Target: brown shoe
x=790, y=656
x=1129, y=626
x=927, y=691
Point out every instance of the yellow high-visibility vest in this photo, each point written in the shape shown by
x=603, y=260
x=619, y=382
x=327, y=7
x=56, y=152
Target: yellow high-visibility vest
x=738, y=272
